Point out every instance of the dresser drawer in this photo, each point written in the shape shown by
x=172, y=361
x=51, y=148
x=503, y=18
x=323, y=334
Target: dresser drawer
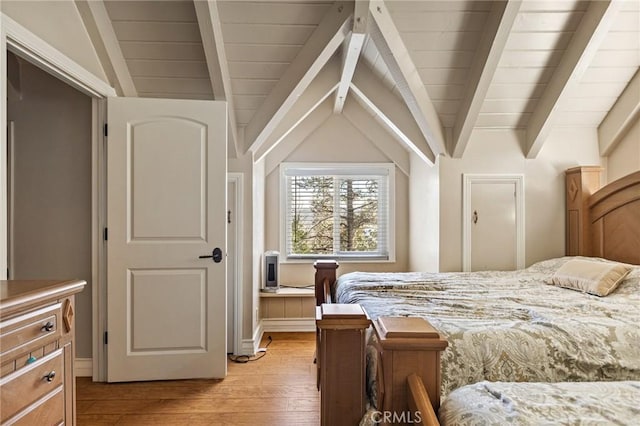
x=29, y=384
x=49, y=411
x=30, y=330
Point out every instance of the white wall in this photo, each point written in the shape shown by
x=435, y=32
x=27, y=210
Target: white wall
x=625, y=157
x=52, y=153
x=499, y=151
x=424, y=216
x=336, y=140
x=59, y=24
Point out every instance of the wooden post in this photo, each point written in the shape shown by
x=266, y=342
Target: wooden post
x=341, y=360
x=407, y=345
x=581, y=182
x=325, y=279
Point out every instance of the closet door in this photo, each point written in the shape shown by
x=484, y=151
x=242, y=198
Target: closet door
x=493, y=223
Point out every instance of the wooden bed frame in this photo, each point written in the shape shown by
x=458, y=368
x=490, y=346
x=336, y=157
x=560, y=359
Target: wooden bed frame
x=602, y=222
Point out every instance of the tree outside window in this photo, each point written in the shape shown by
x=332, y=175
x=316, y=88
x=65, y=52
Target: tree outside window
x=335, y=215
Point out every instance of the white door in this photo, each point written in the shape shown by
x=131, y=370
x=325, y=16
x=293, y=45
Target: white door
x=493, y=226
x=493, y=222
x=166, y=196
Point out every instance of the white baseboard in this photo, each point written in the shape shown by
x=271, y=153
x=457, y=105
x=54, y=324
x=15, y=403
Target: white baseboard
x=250, y=346
x=83, y=367
x=288, y=324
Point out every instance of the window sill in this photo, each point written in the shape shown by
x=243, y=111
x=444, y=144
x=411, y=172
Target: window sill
x=290, y=292
x=346, y=260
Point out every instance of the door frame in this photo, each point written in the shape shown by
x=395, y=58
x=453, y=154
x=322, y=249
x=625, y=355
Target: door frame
x=19, y=40
x=468, y=180
x=238, y=179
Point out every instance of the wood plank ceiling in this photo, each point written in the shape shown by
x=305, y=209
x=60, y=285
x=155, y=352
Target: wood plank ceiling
x=481, y=64
x=161, y=44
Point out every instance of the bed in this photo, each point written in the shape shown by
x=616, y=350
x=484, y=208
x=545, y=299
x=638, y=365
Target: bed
x=542, y=403
x=512, y=326
x=539, y=333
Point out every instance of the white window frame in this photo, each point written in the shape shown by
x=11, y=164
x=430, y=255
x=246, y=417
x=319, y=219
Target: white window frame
x=356, y=168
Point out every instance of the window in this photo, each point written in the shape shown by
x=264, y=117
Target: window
x=338, y=211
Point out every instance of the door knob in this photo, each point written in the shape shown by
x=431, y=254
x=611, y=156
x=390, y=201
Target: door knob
x=216, y=255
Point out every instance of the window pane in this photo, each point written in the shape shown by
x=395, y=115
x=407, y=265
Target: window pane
x=311, y=213
x=336, y=211
x=359, y=215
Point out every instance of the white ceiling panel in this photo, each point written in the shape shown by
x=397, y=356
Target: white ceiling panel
x=261, y=39
x=161, y=44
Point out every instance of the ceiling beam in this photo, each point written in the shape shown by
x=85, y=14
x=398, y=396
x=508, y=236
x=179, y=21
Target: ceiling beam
x=96, y=19
x=319, y=48
x=320, y=89
x=620, y=117
x=378, y=136
x=584, y=44
x=351, y=49
x=391, y=112
x=494, y=38
x=211, y=33
x=298, y=135
x=393, y=51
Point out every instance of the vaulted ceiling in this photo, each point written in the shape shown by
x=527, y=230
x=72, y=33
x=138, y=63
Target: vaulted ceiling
x=429, y=72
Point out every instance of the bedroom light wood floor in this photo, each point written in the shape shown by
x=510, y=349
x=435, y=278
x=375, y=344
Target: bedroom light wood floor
x=279, y=389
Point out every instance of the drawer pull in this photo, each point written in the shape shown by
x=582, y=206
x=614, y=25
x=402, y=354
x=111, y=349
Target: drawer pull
x=49, y=377
x=48, y=326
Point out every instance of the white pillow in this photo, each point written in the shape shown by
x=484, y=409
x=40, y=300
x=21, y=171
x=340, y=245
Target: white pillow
x=598, y=278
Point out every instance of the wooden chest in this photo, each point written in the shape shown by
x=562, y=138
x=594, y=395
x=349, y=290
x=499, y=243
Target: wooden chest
x=37, y=352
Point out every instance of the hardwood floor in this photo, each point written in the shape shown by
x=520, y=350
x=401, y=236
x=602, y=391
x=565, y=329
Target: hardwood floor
x=279, y=389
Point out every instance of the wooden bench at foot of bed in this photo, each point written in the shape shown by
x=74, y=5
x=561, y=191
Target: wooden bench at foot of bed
x=408, y=360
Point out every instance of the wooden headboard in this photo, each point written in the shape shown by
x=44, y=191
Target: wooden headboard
x=603, y=222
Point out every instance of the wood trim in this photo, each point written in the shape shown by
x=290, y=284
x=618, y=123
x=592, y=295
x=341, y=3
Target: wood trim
x=586, y=40
x=581, y=182
x=341, y=362
x=411, y=353
x=288, y=324
x=627, y=183
x=603, y=222
x=293, y=139
x=210, y=28
x=325, y=270
x=419, y=402
x=19, y=295
x=620, y=117
x=494, y=39
x=350, y=54
x=392, y=113
x=238, y=179
x=317, y=51
x=315, y=94
x=377, y=134
x=396, y=56
x=83, y=367
x=24, y=43
x=614, y=220
x=100, y=28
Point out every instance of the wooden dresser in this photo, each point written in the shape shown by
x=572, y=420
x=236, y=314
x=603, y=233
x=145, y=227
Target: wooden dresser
x=37, y=385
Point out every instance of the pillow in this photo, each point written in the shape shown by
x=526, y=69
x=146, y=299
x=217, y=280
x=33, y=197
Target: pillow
x=598, y=278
